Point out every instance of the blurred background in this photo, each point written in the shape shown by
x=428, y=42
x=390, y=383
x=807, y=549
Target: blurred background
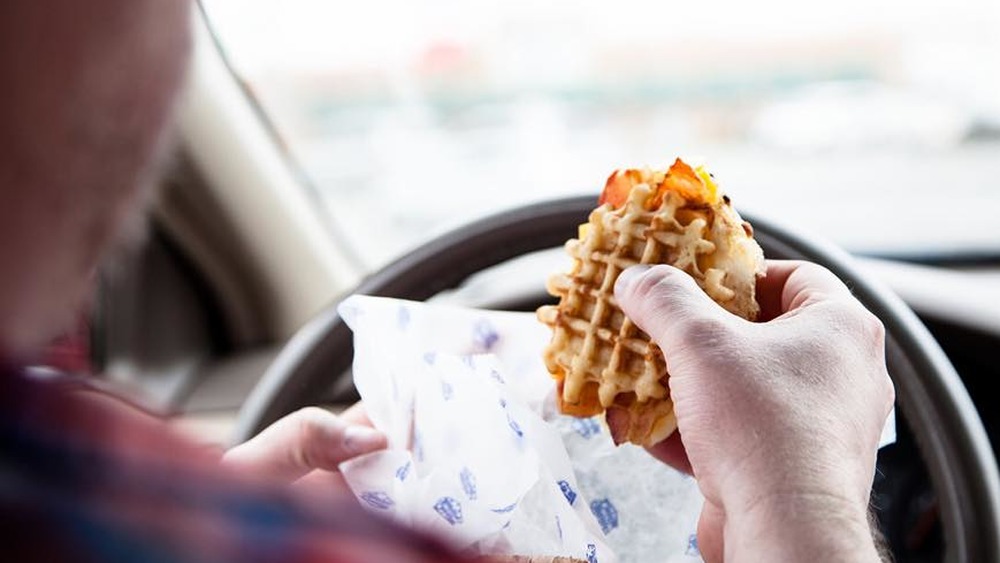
x=874, y=123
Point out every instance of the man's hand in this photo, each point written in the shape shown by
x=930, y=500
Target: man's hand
x=779, y=420
x=306, y=446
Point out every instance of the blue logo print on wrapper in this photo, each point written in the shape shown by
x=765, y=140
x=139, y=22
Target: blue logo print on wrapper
x=430, y=358
x=586, y=427
x=591, y=553
x=446, y=391
x=514, y=426
x=496, y=376
x=418, y=446
x=567, y=491
x=559, y=528
x=403, y=471
x=403, y=318
x=449, y=509
x=510, y=420
x=504, y=509
x=468, y=483
x=606, y=514
x=484, y=336
x=378, y=499
x=692, y=547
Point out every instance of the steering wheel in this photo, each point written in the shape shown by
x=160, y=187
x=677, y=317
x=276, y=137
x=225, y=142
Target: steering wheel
x=950, y=453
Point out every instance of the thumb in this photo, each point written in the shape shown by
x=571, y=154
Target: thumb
x=669, y=306
x=308, y=439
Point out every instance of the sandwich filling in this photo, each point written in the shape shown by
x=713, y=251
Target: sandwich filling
x=600, y=359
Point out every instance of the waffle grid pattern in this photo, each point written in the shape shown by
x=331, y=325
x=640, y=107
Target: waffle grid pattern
x=594, y=345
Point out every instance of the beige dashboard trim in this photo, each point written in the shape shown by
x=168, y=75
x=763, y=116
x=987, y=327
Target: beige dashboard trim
x=276, y=240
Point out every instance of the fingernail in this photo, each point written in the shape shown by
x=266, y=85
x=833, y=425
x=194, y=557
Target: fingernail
x=628, y=277
x=361, y=439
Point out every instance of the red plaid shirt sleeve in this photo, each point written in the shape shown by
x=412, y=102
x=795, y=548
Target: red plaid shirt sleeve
x=83, y=478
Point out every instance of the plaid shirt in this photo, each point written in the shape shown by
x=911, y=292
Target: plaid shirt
x=85, y=478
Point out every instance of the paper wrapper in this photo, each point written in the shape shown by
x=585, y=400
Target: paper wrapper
x=478, y=454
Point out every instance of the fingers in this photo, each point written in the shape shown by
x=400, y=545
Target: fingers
x=305, y=440
x=668, y=304
x=671, y=451
x=710, y=526
x=663, y=300
x=793, y=284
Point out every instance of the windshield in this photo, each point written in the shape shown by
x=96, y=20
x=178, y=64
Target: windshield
x=876, y=125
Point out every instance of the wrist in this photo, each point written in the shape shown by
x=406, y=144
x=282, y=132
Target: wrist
x=816, y=527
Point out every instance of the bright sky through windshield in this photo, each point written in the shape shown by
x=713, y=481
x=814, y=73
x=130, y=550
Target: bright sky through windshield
x=428, y=114
x=313, y=34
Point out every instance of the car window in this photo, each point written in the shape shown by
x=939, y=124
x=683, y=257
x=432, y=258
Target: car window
x=875, y=124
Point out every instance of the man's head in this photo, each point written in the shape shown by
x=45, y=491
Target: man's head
x=86, y=93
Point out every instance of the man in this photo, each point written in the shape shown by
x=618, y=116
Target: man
x=779, y=419
x=87, y=93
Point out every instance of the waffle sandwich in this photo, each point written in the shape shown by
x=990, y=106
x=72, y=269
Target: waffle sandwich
x=601, y=360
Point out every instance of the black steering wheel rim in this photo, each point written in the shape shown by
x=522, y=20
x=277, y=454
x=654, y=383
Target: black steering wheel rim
x=930, y=394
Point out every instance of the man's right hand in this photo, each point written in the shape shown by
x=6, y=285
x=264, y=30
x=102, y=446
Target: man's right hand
x=778, y=420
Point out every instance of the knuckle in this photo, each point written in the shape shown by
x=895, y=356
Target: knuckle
x=307, y=432
x=706, y=329
x=310, y=413
x=659, y=289
x=851, y=317
x=890, y=394
x=869, y=328
x=818, y=274
x=874, y=327
x=649, y=284
x=813, y=268
x=887, y=390
x=669, y=305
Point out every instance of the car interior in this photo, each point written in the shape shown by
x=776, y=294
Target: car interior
x=224, y=318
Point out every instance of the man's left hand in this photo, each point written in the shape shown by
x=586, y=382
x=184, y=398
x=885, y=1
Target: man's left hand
x=306, y=447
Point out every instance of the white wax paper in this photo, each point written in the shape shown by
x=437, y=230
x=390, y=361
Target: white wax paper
x=478, y=453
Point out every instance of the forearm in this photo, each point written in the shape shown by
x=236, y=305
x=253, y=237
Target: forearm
x=816, y=529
